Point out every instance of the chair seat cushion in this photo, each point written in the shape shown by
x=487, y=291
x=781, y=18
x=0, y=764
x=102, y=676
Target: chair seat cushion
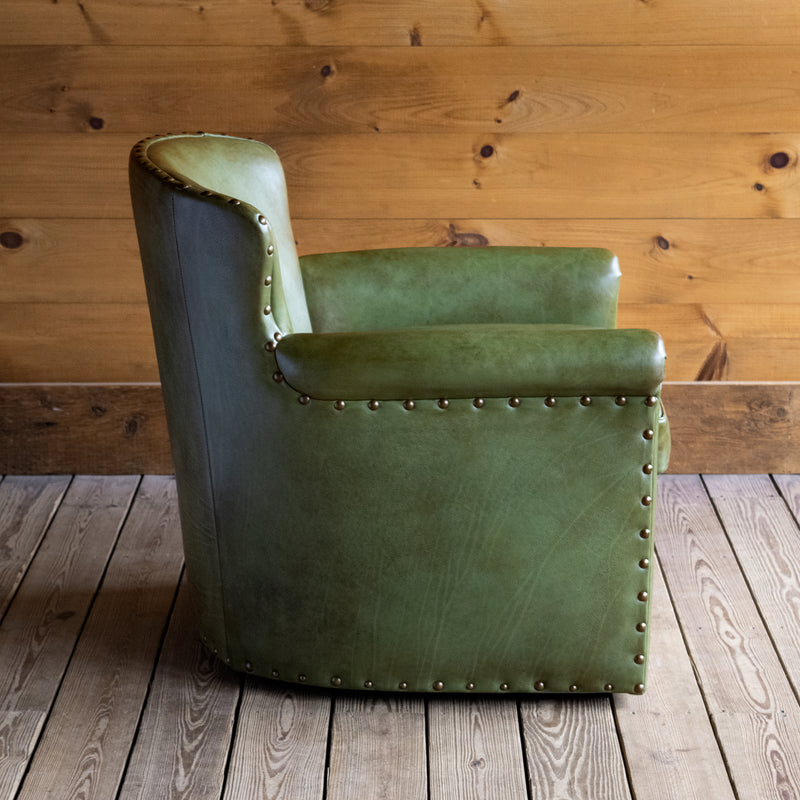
x=452, y=361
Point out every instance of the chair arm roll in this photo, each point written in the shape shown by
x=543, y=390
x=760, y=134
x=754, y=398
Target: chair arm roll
x=473, y=361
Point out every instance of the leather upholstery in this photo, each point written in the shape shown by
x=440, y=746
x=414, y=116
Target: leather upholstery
x=409, y=470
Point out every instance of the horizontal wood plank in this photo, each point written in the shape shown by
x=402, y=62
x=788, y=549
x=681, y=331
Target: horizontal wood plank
x=375, y=176
x=403, y=23
x=663, y=260
x=716, y=427
x=408, y=90
x=112, y=342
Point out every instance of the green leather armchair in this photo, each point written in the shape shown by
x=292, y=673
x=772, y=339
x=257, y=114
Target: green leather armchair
x=421, y=469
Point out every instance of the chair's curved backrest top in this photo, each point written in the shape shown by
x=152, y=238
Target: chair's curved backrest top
x=249, y=171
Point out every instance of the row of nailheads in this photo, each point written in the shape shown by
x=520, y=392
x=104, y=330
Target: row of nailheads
x=439, y=686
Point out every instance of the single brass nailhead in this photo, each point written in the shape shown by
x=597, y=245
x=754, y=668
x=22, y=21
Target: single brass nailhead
x=336, y=681
x=574, y=687
x=277, y=336
x=621, y=400
x=609, y=687
x=402, y=685
x=478, y=402
x=645, y=533
x=302, y=678
x=639, y=658
x=304, y=399
x=504, y=687
x=267, y=310
x=647, y=469
x=277, y=377
x=268, y=280
x=248, y=666
x=470, y=686
x=408, y=405
x=339, y=404
x=438, y=686
x=646, y=500
x=372, y=405
x=262, y=219
x=539, y=686
x=641, y=627
x=368, y=684
x=270, y=346
x=270, y=250
x=275, y=674
x=645, y=563
x=514, y=402
x=586, y=400
x=648, y=434
x=650, y=401
x=444, y=402
x=549, y=401
x=642, y=596
x=639, y=688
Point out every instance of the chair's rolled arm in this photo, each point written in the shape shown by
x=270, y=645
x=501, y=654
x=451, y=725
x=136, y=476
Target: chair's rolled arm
x=396, y=288
x=473, y=361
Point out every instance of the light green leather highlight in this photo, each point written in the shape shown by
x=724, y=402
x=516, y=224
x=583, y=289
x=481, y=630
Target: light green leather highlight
x=473, y=360
x=351, y=545
x=377, y=289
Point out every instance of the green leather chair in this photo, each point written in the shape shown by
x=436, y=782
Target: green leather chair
x=421, y=469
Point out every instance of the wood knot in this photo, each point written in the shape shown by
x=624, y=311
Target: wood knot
x=415, y=35
x=759, y=187
x=11, y=240
x=456, y=238
x=487, y=151
x=779, y=160
x=326, y=71
x=662, y=242
x=96, y=123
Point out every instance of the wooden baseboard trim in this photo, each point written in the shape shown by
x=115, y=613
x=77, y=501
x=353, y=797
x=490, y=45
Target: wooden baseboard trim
x=120, y=429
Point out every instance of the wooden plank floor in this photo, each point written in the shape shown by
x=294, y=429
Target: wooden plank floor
x=105, y=693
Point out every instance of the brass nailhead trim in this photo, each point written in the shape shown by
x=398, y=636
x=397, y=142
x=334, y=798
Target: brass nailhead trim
x=248, y=666
x=514, y=402
x=639, y=658
x=270, y=346
x=646, y=500
x=470, y=686
x=304, y=399
x=639, y=688
x=302, y=678
x=504, y=687
x=275, y=674
x=621, y=400
x=586, y=400
x=268, y=280
x=645, y=563
x=539, y=686
x=648, y=434
x=642, y=596
x=368, y=684
x=444, y=402
x=262, y=219
x=641, y=627
x=438, y=686
x=609, y=687
x=402, y=685
x=408, y=405
x=574, y=687
x=549, y=401
x=267, y=310
x=339, y=404
x=336, y=681
x=373, y=405
x=478, y=402
x=270, y=250
x=647, y=469
x=277, y=377
x=645, y=533
x=277, y=336
x=650, y=401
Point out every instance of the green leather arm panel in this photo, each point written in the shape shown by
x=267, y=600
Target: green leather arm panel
x=466, y=361
x=376, y=289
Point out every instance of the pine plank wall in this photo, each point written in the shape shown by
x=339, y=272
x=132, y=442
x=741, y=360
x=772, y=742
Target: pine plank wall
x=667, y=130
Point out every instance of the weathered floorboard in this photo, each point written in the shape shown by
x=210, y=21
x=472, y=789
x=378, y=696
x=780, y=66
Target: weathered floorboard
x=43, y=623
x=378, y=748
x=670, y=747
x=280, y=745
x=474, y=749
x=765, y=537
x=181, y=751
x=748, y=696
x=572, y=749
x=27, y=505
x=85, y=745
